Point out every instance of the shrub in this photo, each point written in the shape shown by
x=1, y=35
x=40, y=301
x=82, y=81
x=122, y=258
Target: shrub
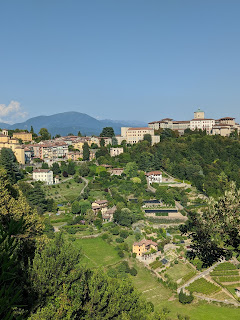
x=105, y=236
x=115, y=231
x=119, y=240
x=151, y=306
x=134, y=255
x=120, y=253
x=184, y=298
x=124, y=234
x=133, y=272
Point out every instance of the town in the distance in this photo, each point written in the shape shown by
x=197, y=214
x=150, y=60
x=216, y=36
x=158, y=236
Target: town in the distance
x=153, y=212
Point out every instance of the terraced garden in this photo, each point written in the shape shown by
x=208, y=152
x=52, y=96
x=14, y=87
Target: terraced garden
x=203, y=286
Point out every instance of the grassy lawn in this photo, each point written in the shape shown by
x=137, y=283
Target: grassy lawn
x=152, y=290
x=202, y=311
x=147, y=284
x=203, y=286
x=97, y=252
x=181, y=270
x=65, y=191
x=97, y=194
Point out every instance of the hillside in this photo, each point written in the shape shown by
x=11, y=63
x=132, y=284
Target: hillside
x=70, y=122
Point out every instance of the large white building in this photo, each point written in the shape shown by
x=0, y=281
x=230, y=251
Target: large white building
x=44, y=175
x=224, y=126
x=134, y=135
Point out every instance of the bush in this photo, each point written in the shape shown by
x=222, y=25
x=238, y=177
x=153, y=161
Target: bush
x=115, y=231
x=133, y=272
x=120, y=253
x=151, y=306
x=119, y=240
x=184, y=298
x=134, y=255
x=105, y=236
x=124, y=234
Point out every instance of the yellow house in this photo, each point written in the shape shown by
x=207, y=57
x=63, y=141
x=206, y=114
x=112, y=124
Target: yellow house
x=144, y=246
x=24, y=136
x=20, y=155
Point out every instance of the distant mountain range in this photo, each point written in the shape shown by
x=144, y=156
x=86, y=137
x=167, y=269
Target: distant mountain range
x=71, y=122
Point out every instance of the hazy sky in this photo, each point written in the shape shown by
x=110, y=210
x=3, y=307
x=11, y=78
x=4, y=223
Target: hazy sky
x=119, y=59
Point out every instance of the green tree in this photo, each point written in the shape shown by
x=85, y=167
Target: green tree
x=79, y=134
x=44, y=134
x=52, y=265
x=185, y=298
x=102, y=142
x=55, y=168
x=124, y=217
x=75, y=207
x=107, y=132
x=114, y=141
x=9, y=162
x=84, y=170
x=131, y=169
x=86, y=152
x=71, y=168
x=148, y=137
x=31, y=130
x=216, y=232
x=44, y=165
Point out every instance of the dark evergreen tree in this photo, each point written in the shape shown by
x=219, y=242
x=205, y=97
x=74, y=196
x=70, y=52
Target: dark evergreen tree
x=86, y=152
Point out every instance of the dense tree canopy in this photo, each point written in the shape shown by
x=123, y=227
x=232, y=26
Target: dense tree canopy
x=216, y=232
x=107, y=132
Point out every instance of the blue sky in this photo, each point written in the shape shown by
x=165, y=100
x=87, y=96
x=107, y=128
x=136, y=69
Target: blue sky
x=125, y=59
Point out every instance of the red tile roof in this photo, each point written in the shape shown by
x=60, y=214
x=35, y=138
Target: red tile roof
x=146, y=242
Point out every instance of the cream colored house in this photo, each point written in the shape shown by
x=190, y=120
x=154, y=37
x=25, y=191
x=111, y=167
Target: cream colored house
x=144, y=246
x=44, y=175
x=134, y=135
x=24, y=136
x=116, y=151
x=13, y=144
x=202, y=124
x=154, y=177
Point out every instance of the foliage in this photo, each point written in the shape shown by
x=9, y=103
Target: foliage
x=147, y=137
x=131, y=169
x=215, y=233
x=107, y=132
x=84, y=170
x=203, y=286
x=75, y=207
x=9, y=162
x=86, y=152
x=124, y=217
x=185, y=298
x=11, y=290
x=44, y=134
x=55, y=168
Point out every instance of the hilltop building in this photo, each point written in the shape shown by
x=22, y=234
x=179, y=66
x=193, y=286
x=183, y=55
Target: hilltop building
x=24, y=136
x=224, y=126
x=134, y=135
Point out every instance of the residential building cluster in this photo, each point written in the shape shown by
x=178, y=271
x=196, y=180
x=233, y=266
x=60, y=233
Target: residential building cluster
x=223, y=126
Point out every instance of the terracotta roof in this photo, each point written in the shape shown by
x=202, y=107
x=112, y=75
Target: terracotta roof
x=41, y=170
x=227, y=118
x=140, y=128
x=201, y=119
x=146, y=242
x=153, y=173
x=101, y=201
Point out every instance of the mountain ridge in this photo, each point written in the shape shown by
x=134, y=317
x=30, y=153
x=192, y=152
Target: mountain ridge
x=71, y=122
